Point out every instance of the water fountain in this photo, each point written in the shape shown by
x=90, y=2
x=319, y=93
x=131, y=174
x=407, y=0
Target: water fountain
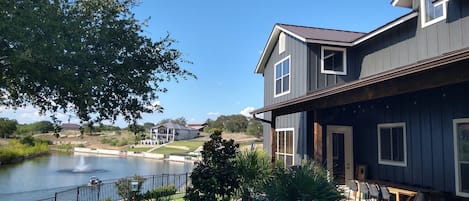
x=81, y=167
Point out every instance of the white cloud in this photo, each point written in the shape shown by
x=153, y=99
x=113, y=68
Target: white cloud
x=246, y=111
x=155, y=105
x=213, y=114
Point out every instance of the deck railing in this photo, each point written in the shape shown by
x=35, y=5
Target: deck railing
x=108, y=189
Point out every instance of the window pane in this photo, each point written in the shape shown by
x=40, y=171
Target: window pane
x=438, y=11
x=281, y=158
x=281, y=140
x=463, y=142
x=398, y=144
x=278, y=86
x=464, y=178
x=278, y=70
x=286, y=67
x=385, y=135
x=289, y=160
x=333, y=60
x=289, y=142
x=286, y=83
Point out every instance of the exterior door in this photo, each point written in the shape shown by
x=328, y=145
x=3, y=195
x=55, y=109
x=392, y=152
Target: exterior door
x=461, y=156
x=339, y=141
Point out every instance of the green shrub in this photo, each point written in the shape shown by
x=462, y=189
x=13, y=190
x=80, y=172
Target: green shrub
x=124, y=188
x=123, y=142
x=162, y=193
x=306, y=182
x=254, y=168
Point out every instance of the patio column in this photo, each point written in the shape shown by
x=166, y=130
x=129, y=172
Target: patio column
x=317, y=137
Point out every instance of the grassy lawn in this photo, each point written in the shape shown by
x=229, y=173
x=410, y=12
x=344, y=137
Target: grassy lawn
x=192, y=145
x=168, y=150
x=139, y=149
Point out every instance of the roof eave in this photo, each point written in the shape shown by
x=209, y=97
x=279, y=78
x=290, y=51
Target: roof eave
x=402, y=3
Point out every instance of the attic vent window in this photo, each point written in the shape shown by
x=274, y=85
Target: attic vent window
x=281, y=43
x=333, y=60
x=432, y=11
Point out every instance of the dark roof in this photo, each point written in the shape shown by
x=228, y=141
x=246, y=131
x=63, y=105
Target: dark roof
x=315, y=33
x=68, y=126
x=417, y=67
x=172, y=125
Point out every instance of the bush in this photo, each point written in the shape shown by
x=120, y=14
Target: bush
x=254, y=168
x=306, y=182
x=161, y=193
x=122, y=143
x=124, y=188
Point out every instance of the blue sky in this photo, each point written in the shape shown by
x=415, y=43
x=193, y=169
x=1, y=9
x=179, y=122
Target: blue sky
x=224, y=40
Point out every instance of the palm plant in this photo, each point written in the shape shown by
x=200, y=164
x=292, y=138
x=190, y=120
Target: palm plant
x=255, y=172
x=306, y=182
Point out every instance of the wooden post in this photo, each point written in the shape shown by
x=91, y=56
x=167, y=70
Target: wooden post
x=317, y=143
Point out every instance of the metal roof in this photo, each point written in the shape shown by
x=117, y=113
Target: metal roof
x=315, y=33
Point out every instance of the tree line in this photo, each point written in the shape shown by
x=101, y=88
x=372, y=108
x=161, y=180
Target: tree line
x=235, y=124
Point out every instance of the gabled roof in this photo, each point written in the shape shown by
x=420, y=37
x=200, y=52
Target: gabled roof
x=313, y=33
x=323, y=36
x=172, y=125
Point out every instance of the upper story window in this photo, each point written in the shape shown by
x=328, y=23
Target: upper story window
x=281, y=43
x=333, y=60
x=282, y=77
x=432, y=11
x=392, y=144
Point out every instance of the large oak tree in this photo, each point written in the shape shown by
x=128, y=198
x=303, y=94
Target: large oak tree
x=82, y=56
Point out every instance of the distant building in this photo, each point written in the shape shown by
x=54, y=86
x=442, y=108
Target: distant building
x=70, y=127
x=168, y=132
x=198, y=126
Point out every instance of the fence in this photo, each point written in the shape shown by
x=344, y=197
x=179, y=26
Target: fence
x=108, y=189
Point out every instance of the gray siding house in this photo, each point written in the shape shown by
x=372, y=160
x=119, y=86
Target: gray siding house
x=168, y=132
x=394, y=101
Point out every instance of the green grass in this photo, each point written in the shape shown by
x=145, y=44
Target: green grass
x=178, y=197
x=139, y=149
x=192, y=145
x=169, y=150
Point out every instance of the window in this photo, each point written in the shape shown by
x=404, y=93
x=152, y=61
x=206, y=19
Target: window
x=461, y=156
x=392, y=144
x=282, y=77
x=281, y=43
x=333, y=60
x=432, y=11
x=285, y=148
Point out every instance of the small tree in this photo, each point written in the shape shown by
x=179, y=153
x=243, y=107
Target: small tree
x=124, y=188
x=254, y=128
x=215, y=177
x=7, y=127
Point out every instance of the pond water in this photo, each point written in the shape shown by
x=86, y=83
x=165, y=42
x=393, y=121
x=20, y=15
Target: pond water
x=43, y=176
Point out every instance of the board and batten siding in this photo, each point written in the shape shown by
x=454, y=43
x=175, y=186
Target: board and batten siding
x=318, y=80
x=409, y=43
x=297, y=51
x=428, y=116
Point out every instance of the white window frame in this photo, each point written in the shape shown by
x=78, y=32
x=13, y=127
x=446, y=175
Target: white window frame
x=343, y=50
x=390, y=162
x=433, y=21
x=278, y=145
x=281, y=43
x=282, y=77
x=456, y=156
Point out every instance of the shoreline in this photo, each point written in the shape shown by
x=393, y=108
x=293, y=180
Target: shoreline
x=23, y=158
x=175, y=158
